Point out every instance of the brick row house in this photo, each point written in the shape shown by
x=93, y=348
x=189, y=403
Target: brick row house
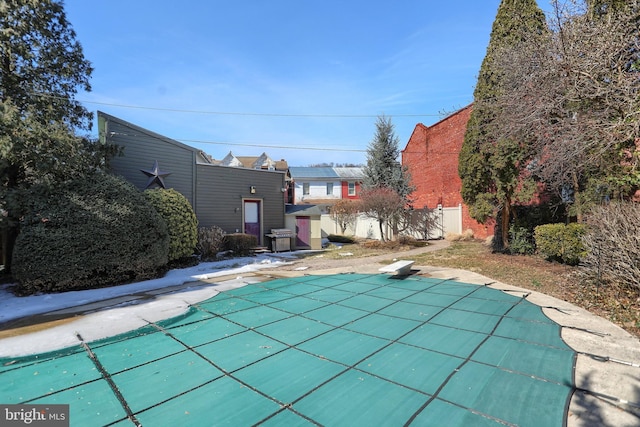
x=431, y=156
x=263, y=162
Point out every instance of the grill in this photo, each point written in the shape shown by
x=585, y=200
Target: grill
x=280, y=239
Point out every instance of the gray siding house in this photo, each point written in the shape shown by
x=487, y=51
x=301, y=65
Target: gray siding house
x=238, y=200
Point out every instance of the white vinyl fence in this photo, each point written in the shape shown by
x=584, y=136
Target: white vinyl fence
x=446, y=220
x=451, y=220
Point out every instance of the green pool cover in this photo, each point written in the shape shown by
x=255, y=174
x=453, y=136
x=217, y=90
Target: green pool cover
x=341, y=350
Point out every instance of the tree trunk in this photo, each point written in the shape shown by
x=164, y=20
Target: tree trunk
x=506, y=216
x=9, y=235
x=13, y=174
x=380, y=223
x=576, y=198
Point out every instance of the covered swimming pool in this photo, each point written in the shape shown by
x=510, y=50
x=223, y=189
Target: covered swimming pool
x=336, y=350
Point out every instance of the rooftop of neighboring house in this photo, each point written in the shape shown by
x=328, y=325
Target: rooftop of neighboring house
x=336, y=173
x=347, y=173
x=262, y=161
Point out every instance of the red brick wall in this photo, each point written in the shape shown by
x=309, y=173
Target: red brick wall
x=432, y=158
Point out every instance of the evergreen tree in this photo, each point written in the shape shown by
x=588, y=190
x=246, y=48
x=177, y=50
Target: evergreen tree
x=387, y=184
x=490, y=165
x=383, y=170
x=603, y=7
x=573, y=96
x=42, y=66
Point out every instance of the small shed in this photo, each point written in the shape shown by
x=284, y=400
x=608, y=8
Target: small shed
x=305, y=221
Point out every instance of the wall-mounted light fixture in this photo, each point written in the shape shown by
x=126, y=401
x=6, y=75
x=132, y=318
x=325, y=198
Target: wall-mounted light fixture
x=252, y=189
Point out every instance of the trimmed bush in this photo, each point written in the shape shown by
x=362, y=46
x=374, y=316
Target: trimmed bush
x=336, y=238
x=548, y=239
x=94, y=232
x=403, y=239
x=379, y=244
x=181, y=221
x=561, y=242
x=574, y=249
x=240, y=244
x=455, y=237
x=211, y=240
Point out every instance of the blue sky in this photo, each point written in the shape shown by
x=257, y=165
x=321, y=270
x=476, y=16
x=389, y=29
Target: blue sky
x=300, y=80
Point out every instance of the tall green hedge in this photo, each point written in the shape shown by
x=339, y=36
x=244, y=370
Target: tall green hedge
x=561, y=242
x=94, y=232
x=180, y=218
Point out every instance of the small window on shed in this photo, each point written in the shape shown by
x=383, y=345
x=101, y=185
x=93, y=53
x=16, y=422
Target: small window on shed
x=352, y=189
x=305, y=188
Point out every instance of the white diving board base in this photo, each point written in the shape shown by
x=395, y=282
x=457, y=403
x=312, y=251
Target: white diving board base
x=400, y=268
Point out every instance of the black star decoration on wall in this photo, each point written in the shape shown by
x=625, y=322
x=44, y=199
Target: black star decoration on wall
x=155, y=175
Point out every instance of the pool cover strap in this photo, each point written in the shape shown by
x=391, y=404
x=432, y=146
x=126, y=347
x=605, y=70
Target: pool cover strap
x=109, y=380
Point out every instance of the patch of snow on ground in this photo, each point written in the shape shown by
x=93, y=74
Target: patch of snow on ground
x=13, y=307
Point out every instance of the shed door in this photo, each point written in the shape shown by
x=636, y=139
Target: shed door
x=303, y=231
x=252, y=218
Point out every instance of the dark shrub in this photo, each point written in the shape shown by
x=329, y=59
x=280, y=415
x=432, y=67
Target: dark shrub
x=240, y=244
x=521, y=241
x=211, y=240
x=336, y=238
x=525, y=217
x=181, y=221
x=94, y=232
x=561, y=242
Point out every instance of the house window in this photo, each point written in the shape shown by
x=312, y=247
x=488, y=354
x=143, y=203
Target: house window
x=305, y=188
x=329, y=188
x=352, y=189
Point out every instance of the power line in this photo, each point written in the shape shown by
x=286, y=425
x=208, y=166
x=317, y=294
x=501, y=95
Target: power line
x=271, y=146
x=236, y=113
x=253, y=144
